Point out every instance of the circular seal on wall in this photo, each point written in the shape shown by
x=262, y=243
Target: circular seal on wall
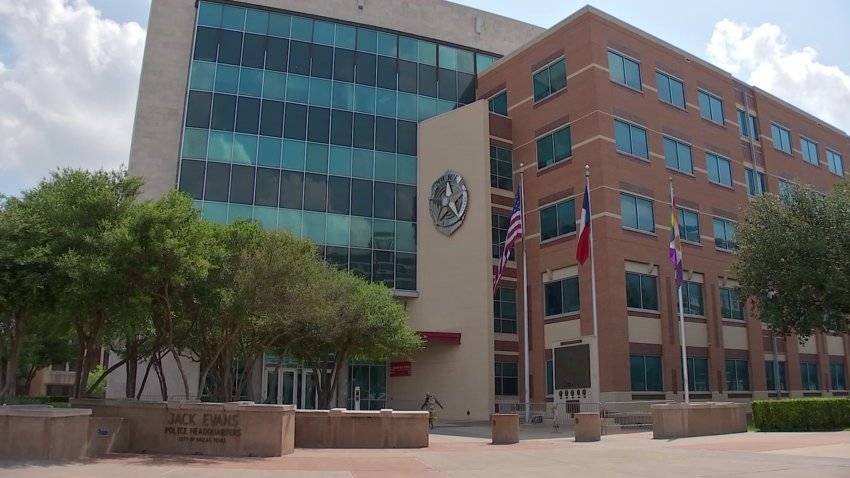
x=448, y=202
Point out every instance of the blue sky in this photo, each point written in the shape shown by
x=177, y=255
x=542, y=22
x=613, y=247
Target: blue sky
x=69, y=69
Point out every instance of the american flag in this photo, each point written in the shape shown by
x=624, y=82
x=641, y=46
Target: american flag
x=514, y=233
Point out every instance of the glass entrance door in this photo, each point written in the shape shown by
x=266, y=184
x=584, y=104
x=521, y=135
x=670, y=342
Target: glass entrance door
x=289, y=386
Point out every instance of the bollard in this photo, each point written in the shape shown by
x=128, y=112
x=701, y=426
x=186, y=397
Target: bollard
x=588, y=427
x=504, y=428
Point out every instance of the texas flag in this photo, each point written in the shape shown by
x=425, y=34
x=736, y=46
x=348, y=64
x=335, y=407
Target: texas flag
x=583, y=246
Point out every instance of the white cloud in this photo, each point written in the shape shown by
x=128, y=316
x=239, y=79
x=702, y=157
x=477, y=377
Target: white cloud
x=68, y=93
x=762, y=57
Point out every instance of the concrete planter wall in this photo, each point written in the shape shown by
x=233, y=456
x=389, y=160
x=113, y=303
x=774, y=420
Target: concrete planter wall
x=41, y=433
x=340, y=428
x=677, y=420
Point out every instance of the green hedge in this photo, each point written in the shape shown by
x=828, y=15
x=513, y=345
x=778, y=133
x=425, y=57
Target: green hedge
x=801, y=414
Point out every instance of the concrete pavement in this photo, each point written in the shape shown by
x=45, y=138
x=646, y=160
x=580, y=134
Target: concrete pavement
x=775, y=455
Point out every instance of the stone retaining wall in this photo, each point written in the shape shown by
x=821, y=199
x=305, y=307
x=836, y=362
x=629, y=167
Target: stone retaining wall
x=677, y=420
x=340, y=428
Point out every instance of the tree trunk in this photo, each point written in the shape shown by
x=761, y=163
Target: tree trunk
x=138, y=394
x=103, y=377
x=182, y=372
x=132, y=366
x=160, y=374
x=9, y=388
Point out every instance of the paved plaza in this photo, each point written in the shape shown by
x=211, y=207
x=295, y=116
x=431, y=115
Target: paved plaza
x=461, y=451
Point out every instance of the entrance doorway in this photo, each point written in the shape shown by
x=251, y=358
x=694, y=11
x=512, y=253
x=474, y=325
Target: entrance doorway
x=290, y=386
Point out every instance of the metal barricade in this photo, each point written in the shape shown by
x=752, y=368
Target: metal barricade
x=628, y=416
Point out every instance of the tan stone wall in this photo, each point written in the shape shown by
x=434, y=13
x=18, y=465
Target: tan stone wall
x=218, y=429
x=43, y=433
x=339, y=428
x=698, y=419
x=454, y=275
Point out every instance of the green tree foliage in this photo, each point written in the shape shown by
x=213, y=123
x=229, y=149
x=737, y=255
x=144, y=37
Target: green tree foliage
x=794, y=260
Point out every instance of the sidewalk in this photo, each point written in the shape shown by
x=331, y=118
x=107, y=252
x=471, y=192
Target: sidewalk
x=779, y=455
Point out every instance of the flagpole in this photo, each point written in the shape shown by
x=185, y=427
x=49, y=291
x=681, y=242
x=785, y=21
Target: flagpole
x=681, y=318
x=592, y=254
x=525, y=294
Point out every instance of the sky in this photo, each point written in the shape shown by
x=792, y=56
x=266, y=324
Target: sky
x=69, y=69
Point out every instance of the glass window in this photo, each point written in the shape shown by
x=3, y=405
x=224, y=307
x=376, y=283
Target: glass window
x=631, y=139
x=504, y=310
x=226, y=78
x=387, y=44
x=677, y=155
x=230, y=47
x=271, y=119
x=405, y=271
x=343, y=65
x=339, y=195
x=755, y=188
x=198, y=109
x=625, y=71
x=641, y=291
x=719, y=169
x=427, y=80
x=558, y=219
x=499, y=232
x=384, y=200
x=192, y=178
x=217, y=182
x=321, y=65
x=670, y=90
x=737, y=375
x=447, y=85
x=711, y=107
x=254, y=50
x=697, y=374
x=730, y=306
x=383, y=266
x=247, y=115
x=837, y=378
x=781, y=138
x=250, y=82
x=209, y=14
x=810, y=151
x=268, y=187
x=834, y=162
x=206, y=44
x=294, y=153
x=220, y=147
x=744, y=126
x=724, y=235
x=692, y=298
x=364, y=131
x=809, y=375
x=195, y=143
x=387, y=75
x=554, y=147
x=499, y=103
x=561, y=296
x=405, y=203
x=689, y=225
x=501, y=168
x=361, y=197
x=786, y=189
x=550, y=79
x=646, y=373
x=279, y=25
x=365, y=71
x=360, y=261
x=295, y=121
x=771, y=375
x=367, y=40
x=233, y=17
x=315, y=192
x=406, y=137
x=318, y=124
x=637, y=212
x=242, y=184
x=507, y=381
x=245, y=148
x=299, y=58
x=203, y=75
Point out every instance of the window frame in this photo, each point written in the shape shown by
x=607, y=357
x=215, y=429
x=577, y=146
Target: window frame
x=670, y=80
x=750, y=175
x=557, y=206
x=548, y=67
x=806, y=146
x=687, y=288
x=496, y=161
x=645, y=386
x=641, y=277
x=502, y=234
x=769, y=375
x=732, y=292
x=830, y=155
x=834, y=377
x=493, y=97
x=718, y=158
x=809, y=379
x=499, y=320
x=692, y=369
x=631, y=127
x=624, y=58
x=563, y=311
x=744, y=126
x=551, y=134
x=680, y=216
x=637, y=216
x=735, y=366
x=781, y=129
x=710, y=117
x=725, y=239
x=500, y=376
x=678, y=161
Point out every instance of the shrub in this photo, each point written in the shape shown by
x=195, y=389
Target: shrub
x=802, y=414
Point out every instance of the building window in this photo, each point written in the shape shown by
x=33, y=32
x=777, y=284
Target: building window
x=670, y=90
x=631, y=139
x=499, y=103
x=554, y=147
x=692, y=298
x=507, y=382
x=730, y=306
x=558, y=219
x=737, y=375
x=786, y=188
x=689, y=225
x=809, y=375
x=771, y=376
x=697, y=374
x=719, y=169
x=836, y=377
x=834, y=162
x=550, y=377
x=501, y=168
x=504, y=310
x=500, y=233
x=781, y=138
x=371, y=377
x=625, y=71
x=711, y=107
x=724, y=235
x=641, y=291
x=753, y=188
x=646, y=373
x=677, y=155
x=637, y=213
x=550, y=79
x=744, y=126
x=561, y=296
x=810, y=151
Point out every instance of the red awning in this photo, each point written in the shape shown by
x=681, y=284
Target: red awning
x=434, y=338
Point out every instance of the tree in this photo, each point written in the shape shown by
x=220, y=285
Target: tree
x=349, y=318
x=794, y=260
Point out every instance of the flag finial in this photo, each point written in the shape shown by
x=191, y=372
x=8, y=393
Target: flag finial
x=586, y=170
